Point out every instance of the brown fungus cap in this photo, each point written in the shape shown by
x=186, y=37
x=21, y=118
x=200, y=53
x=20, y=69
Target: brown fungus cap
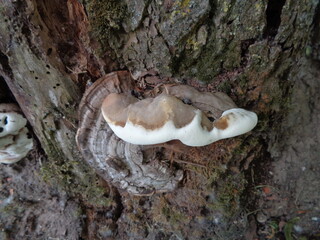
x=150, y=113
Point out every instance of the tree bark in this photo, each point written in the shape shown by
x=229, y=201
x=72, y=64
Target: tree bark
x=264, y=54
x=43, y=70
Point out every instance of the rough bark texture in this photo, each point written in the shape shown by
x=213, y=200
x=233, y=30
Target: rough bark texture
x=264, y=54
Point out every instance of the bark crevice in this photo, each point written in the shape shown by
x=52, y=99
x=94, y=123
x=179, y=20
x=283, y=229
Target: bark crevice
x=4, y=62
x=273, y=17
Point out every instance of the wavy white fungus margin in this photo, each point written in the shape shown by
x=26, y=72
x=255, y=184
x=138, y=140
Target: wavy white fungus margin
x=237, y=121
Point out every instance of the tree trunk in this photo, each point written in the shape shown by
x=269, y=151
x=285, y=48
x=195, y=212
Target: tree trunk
x=263, y=54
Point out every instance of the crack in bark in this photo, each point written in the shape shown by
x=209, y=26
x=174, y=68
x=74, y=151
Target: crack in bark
x=273, y=16
x=4, y=62
x=316, y=34
x=245, y=44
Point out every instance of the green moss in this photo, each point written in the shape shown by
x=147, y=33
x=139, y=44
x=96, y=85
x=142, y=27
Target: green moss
x=174, y=216
x=193, y=44
x=229, y=193
x=181, y=8
x=77, y=179
x=224, y=87
x=184, y=3
x=167, y=214
x=232, y=55
x=288, y=228
x=250, y=143
x=242, y=81
x=308, y=51
x=105, y=17
x=205, y=67
x=207, y=61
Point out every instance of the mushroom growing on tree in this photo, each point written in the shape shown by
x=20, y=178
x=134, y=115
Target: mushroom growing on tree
x=134, y=167
x=15, y=143
x=123, y=164
x=164, y=118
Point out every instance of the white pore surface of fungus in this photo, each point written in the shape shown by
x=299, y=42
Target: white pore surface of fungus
x=165, y=118
x=14, y=140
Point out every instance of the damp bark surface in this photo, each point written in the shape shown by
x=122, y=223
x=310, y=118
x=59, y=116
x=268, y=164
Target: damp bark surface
x=263, y=54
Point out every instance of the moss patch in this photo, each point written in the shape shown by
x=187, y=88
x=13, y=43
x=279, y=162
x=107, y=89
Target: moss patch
x=105, y=17
x=165, y=213
x=78, y=180
x=229, y=193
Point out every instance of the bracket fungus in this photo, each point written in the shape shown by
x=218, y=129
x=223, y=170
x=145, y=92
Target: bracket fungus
x=109, y=114
x=124, y=165
x=14, y=140
x=166, y=117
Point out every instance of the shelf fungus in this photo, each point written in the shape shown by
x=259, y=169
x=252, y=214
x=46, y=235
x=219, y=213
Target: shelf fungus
x=115, y=127
x=15, y=142
x=166, y=117
x=128, y=167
